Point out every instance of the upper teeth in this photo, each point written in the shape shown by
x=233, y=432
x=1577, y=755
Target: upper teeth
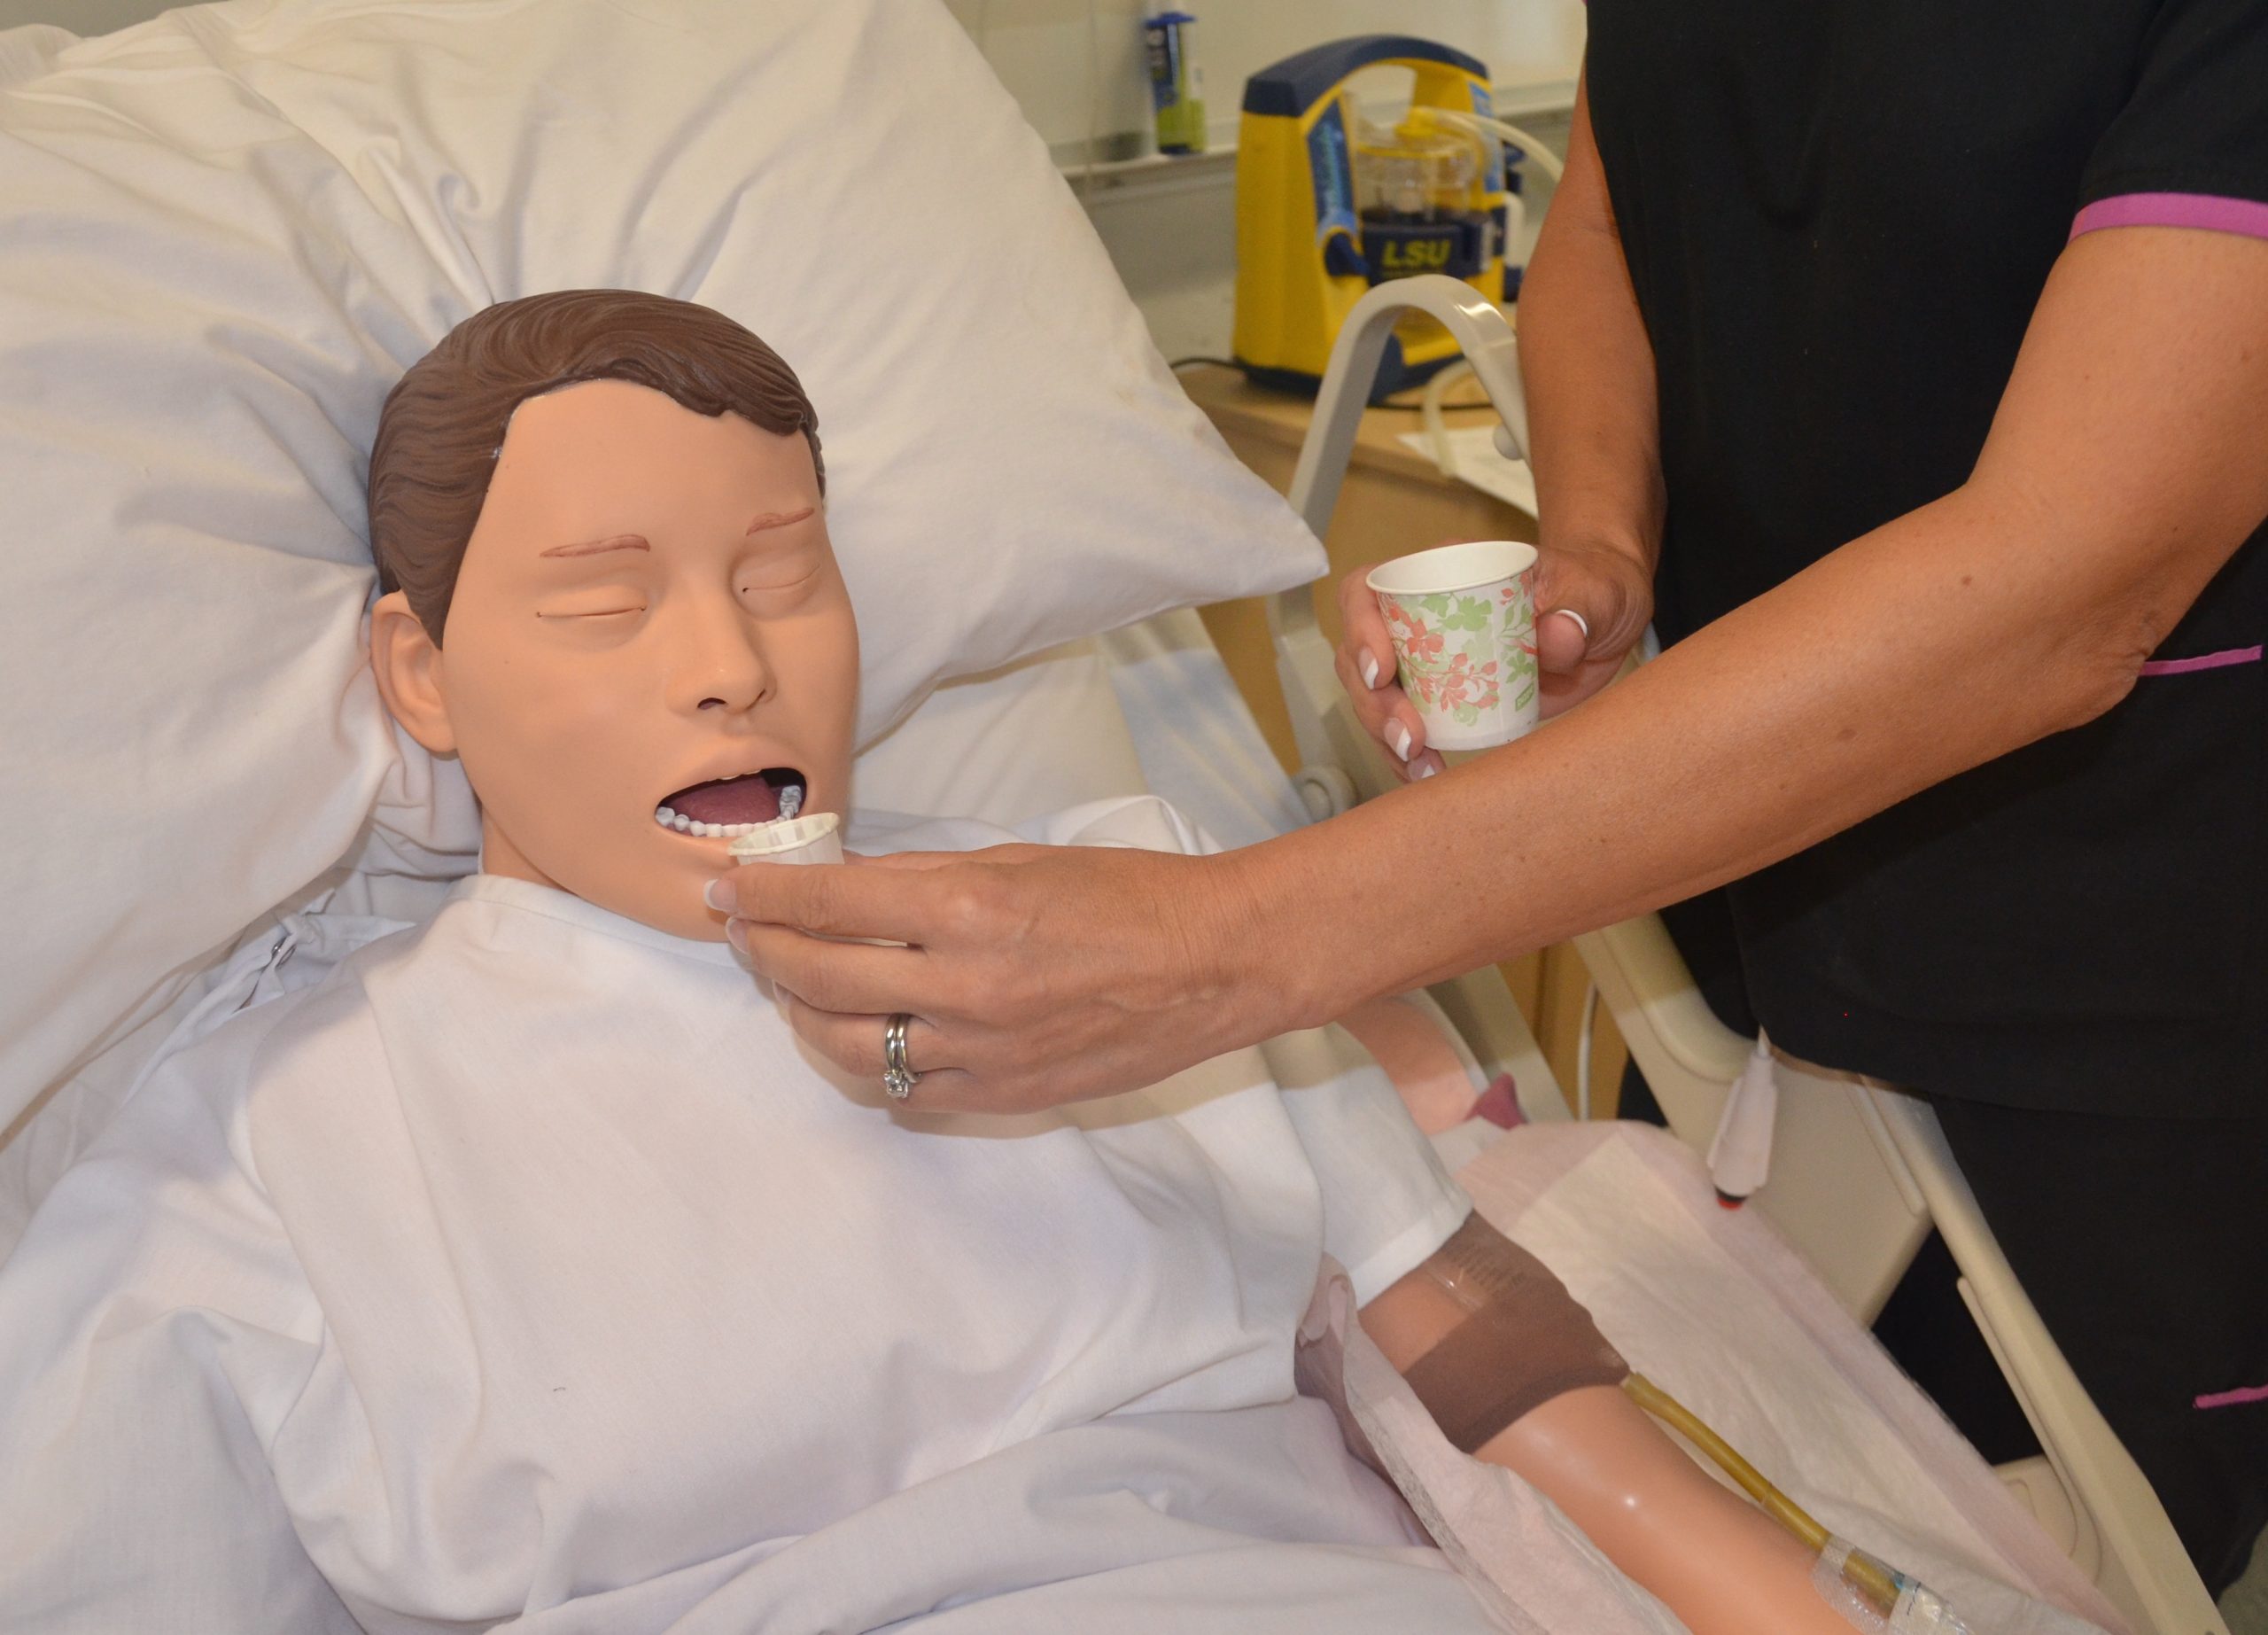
x=685, y=825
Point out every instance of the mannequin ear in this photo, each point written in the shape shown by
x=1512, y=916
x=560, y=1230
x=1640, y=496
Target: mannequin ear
x=407, y=665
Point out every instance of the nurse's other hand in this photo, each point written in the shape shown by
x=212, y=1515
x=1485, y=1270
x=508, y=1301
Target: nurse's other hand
x=1613, y=591
x=1609, y=589
x=1038, y=975
x=1365, y=665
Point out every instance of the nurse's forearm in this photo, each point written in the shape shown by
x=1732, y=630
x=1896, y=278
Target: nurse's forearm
x=2123, y=470
x=1588, y=368
x=1851, y=687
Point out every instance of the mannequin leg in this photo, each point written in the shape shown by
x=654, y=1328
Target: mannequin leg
x=1513, y=1371
x=1717, y=1562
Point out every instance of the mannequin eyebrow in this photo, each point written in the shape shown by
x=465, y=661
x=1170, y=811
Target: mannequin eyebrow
x=637, y=541
x=620, y=541
x=778, y=520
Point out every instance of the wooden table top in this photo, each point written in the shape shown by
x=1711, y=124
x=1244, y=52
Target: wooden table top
x=1230, y=400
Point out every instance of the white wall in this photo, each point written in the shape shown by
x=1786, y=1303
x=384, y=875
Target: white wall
x=1075, y=67
x=1048, y=52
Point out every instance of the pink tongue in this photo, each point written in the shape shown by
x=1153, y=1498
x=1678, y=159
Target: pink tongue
x=735, y=800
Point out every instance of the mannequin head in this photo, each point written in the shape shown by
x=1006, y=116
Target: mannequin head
x=610, y=592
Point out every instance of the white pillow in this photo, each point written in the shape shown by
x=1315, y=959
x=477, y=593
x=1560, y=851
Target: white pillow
x=230, y=228
x=1035, y=736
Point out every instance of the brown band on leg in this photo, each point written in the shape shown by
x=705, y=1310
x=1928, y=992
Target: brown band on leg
x=1524, y=1341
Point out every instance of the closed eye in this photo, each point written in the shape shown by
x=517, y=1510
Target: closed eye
x=796, y=583
x=603, y=612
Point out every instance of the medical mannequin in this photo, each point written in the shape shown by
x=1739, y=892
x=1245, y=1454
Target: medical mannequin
x=562, y=702
x=521, y=1271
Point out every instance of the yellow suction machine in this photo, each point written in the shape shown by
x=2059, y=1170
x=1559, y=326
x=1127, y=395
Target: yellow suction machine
x=1328, y=204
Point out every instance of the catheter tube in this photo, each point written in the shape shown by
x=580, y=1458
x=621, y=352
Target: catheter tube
x=1867, y=1576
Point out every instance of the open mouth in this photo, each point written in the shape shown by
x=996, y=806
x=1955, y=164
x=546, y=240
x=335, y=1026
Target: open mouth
x=728, y=807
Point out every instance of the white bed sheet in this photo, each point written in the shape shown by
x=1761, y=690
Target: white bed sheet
x=1200, y=746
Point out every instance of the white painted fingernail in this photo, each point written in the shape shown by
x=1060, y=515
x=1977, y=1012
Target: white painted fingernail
x=719, y=895
x=1423, y=772
x=736, y=934
x=1398, y=736
x=1370, y=670
x=1581, y=624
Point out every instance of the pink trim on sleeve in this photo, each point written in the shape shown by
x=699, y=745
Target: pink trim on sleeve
x=2248, y=216
x=2221, y=660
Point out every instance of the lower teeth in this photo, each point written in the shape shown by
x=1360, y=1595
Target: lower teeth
x=721, y=831
x=791, y=802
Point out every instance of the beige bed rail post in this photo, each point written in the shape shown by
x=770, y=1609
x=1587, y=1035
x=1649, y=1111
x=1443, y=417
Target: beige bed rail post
x=2123, y=1537
x=1322, y=724
x=1335, y=750
x=1840, y=1190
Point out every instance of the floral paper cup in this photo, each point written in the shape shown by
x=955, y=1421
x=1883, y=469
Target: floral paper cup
x=1462, y=621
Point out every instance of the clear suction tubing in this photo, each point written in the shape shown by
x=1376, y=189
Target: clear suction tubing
x=817, y=839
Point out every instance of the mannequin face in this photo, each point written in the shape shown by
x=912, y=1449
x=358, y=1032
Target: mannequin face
x=649, y=616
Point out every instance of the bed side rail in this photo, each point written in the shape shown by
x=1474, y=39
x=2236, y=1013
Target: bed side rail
x=1339, y=762
x=1323, y=722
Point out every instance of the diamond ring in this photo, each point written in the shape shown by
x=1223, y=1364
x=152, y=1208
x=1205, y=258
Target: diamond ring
x=898, y=1078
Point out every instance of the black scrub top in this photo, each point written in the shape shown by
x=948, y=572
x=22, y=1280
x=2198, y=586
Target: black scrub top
x=1838, y=216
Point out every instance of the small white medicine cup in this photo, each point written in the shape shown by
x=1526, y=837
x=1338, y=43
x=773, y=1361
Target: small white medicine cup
x=814, y=837
x=817, y=839
x=1462, y=622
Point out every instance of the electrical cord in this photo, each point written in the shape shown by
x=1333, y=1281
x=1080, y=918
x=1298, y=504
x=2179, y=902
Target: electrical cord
x=1583, y=1052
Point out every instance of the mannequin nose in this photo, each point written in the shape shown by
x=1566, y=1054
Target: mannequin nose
x=723, y=664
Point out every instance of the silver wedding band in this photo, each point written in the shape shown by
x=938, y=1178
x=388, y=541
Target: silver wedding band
x=1581, y=624
x=899, y=1079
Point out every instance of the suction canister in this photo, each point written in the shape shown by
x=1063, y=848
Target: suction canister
x=1331, y=201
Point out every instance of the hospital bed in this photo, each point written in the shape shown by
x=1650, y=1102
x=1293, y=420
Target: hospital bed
x=265, y=209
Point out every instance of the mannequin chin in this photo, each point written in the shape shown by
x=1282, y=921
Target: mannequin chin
x=648, y=619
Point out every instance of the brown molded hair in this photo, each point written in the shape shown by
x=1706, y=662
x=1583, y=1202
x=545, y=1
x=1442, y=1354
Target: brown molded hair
x=443, y=424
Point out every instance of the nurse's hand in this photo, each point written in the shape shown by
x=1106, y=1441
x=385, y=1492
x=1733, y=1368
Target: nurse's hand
x=1607, y=589
x=1036, y=975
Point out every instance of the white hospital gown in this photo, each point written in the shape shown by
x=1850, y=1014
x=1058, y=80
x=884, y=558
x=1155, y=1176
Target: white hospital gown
x=525, y=1272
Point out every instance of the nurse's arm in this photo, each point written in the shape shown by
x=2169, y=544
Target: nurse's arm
x=2125, y=465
